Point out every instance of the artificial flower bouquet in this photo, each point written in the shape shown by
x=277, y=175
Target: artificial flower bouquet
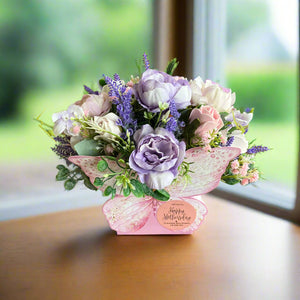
x=153, y=145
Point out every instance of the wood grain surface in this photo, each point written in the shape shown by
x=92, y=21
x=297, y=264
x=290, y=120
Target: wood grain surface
x=237, y=253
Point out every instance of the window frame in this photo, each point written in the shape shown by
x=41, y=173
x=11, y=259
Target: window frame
x=199, y=53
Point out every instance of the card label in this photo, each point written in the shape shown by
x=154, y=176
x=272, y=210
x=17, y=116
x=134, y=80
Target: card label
x=176, y=214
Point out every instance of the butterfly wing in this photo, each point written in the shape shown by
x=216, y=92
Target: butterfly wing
x=127, y=215
x=201, y=212
x=88, y=165
x=207, y=168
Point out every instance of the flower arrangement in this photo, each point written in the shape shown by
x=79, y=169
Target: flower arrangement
x=149, y=136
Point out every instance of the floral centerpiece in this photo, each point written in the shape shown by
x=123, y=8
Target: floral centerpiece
x=153, y=144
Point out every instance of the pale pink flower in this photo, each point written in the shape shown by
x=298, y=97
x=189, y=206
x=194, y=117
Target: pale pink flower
x=95, y=105
x=254, y=177
x=245, y=181
x=235, y=171
x=244, y=169
x=210, y=120
x=207, y=148
x=234, y=164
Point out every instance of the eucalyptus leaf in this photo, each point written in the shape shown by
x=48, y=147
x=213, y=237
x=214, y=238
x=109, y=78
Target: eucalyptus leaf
x=87, y=147
x=98, y=182
x=62, y=174
x=70, y=184
x=107, y=191
x=126, y=191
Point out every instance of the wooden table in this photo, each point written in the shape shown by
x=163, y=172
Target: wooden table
x=237, y=253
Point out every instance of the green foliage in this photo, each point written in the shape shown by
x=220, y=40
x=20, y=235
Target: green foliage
x=161, y=195
x=189, y=132
x=102, y=165
x=138, y=190
x=87, y=147
x=71, y=175
x=172, y=65
x=70, y=184
x=98, y=182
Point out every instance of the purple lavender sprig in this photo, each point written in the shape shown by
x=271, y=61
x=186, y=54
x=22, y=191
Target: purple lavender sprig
x=63, y=148
x=173, y=124
x=146, y=61
x=257, y=149
x=122, y=99
x=90, y=91
x=229, y=141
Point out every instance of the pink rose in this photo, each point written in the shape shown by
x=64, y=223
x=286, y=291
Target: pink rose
x=209, y=119
x=95, y=105
x=245, y=181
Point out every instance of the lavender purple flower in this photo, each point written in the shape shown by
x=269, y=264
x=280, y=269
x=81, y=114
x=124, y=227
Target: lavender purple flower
x=146, y=61
x=229, y=141
x=257, y=149
x=90, y=91
x=63, y=147
x=122, y=99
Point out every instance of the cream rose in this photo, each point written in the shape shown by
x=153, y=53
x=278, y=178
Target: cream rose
x=108, y=129
x=211, y=93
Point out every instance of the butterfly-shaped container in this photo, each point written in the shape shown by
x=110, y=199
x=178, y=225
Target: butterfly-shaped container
x=185, y=210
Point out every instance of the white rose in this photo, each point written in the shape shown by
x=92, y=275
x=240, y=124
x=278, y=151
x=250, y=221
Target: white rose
x=239, y=141
x=107, y=127
x=197, y=95
x=242, y=119
x=211, y=93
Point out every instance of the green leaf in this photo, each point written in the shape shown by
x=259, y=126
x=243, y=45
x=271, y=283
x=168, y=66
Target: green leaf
x=161, y=195
x=62, y=174
x=113, y=193
x=147, y=190
x=87, y=147
x=108, y=191
x=70, y=184
x=126, y=191
x=61, y=167
x=102, y=82
x=89, y=185
x=172, y=65
x=138, y=190
x=102, y=165
x=98, y=182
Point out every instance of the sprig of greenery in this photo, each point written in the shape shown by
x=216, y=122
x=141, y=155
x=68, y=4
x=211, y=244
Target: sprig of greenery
x=71, y=176
x=48, y=129
x=172, y=65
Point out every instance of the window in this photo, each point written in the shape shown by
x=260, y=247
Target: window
x=51, y=48
x=252, y=47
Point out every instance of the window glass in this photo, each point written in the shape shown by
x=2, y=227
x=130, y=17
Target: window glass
x=49, y=49
x=261, y=67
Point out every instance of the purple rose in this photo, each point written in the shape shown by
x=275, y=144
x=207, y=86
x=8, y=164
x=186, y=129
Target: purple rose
x=157, y=156
x=155, y=87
